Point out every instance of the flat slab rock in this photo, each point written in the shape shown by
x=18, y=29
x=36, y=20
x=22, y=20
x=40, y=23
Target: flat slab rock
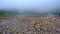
x=30, y=25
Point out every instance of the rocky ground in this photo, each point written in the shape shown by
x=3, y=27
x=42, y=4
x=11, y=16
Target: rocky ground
x=30, y=25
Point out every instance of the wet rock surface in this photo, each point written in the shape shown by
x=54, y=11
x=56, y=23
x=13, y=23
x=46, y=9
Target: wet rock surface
x=30, y=25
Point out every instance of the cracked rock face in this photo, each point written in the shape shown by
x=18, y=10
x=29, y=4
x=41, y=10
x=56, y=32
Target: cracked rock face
x=30, y=25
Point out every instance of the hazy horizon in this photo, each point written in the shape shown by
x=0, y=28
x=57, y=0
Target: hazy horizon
x=30, y=4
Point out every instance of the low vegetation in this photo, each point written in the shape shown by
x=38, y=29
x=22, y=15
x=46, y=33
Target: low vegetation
x=5, y=13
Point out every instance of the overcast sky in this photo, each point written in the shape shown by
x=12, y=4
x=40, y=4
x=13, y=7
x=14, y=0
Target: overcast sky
x=30, y=4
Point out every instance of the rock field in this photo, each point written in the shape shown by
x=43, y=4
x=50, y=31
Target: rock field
x=30, y=25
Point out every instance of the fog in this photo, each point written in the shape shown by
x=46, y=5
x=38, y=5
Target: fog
x=30, y=7
x=30, y=4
